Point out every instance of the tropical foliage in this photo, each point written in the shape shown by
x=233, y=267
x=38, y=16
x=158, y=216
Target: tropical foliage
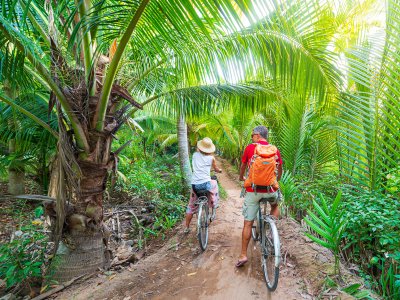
x=22, y=259
x=328, y=226
x=322, y=75
x=32, y=147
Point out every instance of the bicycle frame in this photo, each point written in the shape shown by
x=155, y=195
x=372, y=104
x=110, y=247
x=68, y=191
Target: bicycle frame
x=262, y=214
x=202, y=200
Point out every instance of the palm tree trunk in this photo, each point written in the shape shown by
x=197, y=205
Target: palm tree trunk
x=16, y=175
x=78, y=227
x=183, y=151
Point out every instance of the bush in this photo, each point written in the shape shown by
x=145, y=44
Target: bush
x=22, y=259
x=389, y=281
x=373, y=236
x=156, y=180
x=305, y=191
x=393, y=182
x=373, y=223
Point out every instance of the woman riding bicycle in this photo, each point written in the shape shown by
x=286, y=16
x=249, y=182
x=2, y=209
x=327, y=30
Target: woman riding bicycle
x=202, y=161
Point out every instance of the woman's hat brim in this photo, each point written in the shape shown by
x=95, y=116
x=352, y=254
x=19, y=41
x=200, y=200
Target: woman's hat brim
x=205, y=149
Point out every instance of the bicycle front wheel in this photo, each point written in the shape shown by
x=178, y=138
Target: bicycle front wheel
x=271, y=254
x=202, y=226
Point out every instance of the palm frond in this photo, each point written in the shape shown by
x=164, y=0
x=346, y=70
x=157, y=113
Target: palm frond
x=368, y=135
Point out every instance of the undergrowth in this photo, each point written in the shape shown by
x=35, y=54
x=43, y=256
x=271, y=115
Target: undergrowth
x=371, y=237
x=155, y=179
x=22, y=259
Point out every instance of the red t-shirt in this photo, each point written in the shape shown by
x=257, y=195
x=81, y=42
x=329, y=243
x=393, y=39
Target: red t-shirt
x=248, y=154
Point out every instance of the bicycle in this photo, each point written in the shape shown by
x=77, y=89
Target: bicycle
x=203, y=216
x=266, y=233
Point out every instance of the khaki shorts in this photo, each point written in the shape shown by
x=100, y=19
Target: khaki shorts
x=251, y=206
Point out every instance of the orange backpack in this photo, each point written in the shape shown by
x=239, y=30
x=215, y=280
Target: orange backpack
x=263, y=167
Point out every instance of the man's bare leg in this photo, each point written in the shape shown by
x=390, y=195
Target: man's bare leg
x=275, y=210
x=246, y=235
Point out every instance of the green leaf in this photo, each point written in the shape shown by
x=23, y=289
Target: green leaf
x=351, y=289
x=320, y=222
x=319, y=241
x=319, y=230
x=322, y=213
x=329, y=282
x=39, y=211
x=10, y=271
x=362, y=295
x=336, y=203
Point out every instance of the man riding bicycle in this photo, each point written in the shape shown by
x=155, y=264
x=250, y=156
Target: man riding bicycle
x=251, y=205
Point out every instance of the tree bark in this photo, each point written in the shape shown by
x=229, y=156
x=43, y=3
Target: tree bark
x=16, y=175
x=183, y=151
x=82, y=240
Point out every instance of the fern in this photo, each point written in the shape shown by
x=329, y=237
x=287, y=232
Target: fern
x=327, y=226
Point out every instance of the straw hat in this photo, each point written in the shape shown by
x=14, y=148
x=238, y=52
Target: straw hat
x=206, y=145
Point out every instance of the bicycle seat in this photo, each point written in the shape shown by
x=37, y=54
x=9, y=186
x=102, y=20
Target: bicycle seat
x=267, y=199
x=201, y=193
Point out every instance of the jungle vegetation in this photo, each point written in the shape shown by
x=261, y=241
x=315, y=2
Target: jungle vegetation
x=98, y=89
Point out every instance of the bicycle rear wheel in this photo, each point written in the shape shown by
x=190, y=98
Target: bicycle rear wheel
x=270, y=253
x=202, y=225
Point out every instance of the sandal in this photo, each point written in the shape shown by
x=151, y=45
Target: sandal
x=241, y=263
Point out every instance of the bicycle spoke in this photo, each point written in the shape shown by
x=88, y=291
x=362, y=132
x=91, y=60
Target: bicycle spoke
x=203, y=225
x=270, y=254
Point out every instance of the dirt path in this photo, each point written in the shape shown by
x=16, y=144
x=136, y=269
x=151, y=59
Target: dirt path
x=179, y=270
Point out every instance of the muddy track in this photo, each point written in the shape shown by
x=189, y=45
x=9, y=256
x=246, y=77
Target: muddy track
x=179, y=270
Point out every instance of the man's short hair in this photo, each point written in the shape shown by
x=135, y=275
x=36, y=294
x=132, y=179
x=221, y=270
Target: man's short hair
x=261, y=130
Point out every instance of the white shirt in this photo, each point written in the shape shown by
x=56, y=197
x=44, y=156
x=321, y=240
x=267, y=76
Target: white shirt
x=201, y=167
